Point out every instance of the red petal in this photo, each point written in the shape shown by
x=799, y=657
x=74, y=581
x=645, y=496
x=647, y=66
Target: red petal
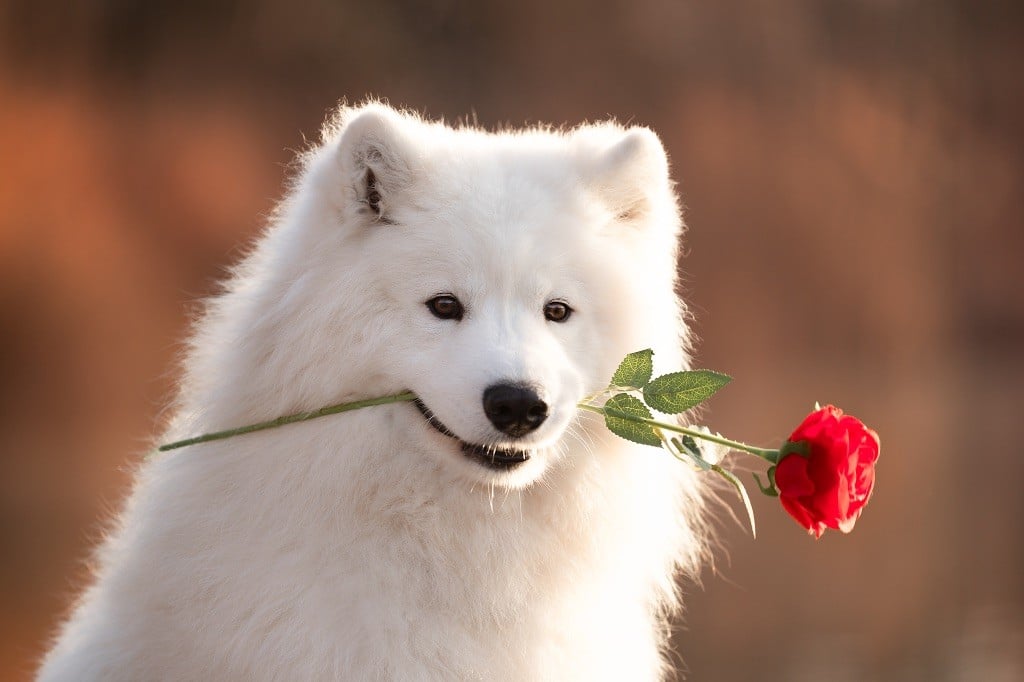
x=840, y=504
x=815, y=423
x=800, y=514
x=791, y=477
x=847, y=524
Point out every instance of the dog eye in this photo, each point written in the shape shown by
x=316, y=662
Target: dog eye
x=557, y=311
x=445, y=307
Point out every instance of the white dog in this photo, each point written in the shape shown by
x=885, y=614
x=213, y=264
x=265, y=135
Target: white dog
x=488, y=531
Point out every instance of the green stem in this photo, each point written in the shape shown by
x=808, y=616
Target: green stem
x=764, y=453
x=290, y=419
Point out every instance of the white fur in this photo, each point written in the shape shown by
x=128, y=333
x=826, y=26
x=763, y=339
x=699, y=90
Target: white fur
x=366, y=546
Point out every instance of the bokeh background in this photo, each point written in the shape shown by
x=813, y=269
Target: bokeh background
x=853, y=176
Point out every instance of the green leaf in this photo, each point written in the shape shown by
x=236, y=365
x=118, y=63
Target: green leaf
x=679, y=391
x=691, y=446
x=635, y=370
x=801, y=447
x=770, y=490
x=729, y=476
x=688, y=446
x=617, y=412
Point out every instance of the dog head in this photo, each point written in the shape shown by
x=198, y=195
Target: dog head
x=502, y=276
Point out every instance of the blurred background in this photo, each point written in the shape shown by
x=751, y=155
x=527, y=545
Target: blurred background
x=853, y=176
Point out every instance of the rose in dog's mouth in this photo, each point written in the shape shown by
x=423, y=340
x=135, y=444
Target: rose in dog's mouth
x=488, y=455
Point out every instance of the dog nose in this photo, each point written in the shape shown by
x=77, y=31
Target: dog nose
x=514, y=409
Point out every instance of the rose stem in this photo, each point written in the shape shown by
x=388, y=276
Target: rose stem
x=290, y=419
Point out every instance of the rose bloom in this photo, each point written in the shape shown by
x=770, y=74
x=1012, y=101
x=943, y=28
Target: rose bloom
x=828, y=484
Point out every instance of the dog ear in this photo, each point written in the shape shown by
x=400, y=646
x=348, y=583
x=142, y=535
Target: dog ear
x=628, y=174
x=376, y=156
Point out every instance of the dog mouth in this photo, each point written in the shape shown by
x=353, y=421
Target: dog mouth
x=487, y=455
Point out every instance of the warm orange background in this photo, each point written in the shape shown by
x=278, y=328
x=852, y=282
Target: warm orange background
x=853, y=179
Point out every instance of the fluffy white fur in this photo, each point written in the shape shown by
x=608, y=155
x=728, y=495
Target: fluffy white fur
x=367, y=546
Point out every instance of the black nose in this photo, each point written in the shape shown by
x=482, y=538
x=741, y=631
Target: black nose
x=514, y=409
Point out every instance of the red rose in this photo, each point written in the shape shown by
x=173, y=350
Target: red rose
x=827, y=482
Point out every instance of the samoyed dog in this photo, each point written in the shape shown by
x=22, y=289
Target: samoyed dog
x=489, y=530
